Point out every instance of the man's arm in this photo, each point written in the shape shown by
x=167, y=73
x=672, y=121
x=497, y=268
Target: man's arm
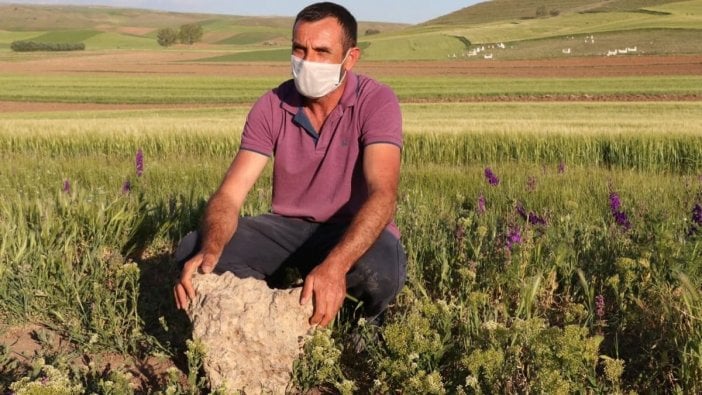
x=327, y=282
x=220, y=220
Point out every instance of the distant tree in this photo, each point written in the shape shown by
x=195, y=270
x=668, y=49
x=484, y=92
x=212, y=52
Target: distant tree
x=166, y=37
x=372, y=31
x=554, y=12
x=541, y=11
x=190, y=33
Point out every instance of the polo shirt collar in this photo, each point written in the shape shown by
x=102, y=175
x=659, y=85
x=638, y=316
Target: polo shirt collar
x=293, y=100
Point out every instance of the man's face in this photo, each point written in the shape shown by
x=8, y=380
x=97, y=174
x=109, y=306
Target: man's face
x=320, y=41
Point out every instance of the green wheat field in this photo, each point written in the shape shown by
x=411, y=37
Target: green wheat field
x=554, y=247
x=553, y=225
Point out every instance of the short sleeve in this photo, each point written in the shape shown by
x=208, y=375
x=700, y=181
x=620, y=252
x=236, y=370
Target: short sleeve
x=383, y=122
x=258, y=132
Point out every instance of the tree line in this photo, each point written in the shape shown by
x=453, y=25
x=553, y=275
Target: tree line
x=187, y=34
x=31, y=46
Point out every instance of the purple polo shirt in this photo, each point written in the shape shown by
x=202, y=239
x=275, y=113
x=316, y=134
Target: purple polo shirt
x=319, y=176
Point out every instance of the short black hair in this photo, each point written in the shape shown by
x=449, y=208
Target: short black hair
x=318, y=11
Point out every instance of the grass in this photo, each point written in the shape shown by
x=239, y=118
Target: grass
x=501, y=10
x=99, y=256
x=120, y=41
x=246, y=38
x=496, y=301
x=7, y=37
x=265, y=55
x=647, y=42
x=574, y=24
x=67, y=36
x=220, y=90
x=433, y=46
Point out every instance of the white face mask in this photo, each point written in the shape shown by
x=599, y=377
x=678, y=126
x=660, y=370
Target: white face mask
x=314, y=79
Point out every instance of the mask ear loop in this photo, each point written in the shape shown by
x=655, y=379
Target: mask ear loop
x=342, y=71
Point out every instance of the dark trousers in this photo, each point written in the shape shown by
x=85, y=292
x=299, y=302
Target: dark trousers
x=264, y=245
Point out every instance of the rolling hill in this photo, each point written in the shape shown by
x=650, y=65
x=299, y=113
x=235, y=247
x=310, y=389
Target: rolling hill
x=104, y=28
x=497, y=29
x=536, y=29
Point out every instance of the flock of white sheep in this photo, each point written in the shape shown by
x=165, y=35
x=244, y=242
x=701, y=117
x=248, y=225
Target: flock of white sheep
x=589, y=39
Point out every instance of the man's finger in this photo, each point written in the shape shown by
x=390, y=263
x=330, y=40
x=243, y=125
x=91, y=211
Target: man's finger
x=306, y=290
x=330, y=314
x=208, y=264
x=175, y=296
x=187, y=284
x=180, y=296
x=320, y=307
x=326, y=320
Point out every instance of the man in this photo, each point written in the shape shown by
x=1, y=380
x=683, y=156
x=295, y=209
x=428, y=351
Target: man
x=336, y=138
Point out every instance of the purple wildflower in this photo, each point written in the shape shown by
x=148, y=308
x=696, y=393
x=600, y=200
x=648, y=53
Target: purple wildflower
x=459, y=233
x=697, y=214
x=614, y=202
x=139, y=162
x=531, y=217
x=514, y=236
x=126, y=187
x=491, y=178
x=619, y=215
x=531, y=184
x=696, y=224
x=521, y=211
x=66, y=186
x=481, y=204
x=600, y=306
x=536, y=219
x=561, y=167
x=622, y=219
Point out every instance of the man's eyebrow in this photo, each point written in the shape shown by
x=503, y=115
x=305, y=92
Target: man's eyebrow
x=321, y=48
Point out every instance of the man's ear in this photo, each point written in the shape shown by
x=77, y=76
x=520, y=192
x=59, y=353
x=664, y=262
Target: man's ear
x=353, y=57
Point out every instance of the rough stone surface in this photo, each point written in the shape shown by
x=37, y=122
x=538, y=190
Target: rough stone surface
x=251, y=333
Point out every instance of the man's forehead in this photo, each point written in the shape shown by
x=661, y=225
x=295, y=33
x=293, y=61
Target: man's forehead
x=327, y=28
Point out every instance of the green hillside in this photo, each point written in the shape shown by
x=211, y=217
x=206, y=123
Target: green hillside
x=509, y=29
x=102, y=28
x=497, y=29
x=501, y=10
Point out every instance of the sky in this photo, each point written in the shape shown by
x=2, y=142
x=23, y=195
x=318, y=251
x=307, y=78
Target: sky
x=403, y=11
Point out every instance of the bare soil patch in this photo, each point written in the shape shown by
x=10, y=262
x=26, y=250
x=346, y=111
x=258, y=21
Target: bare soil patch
x=27, y=342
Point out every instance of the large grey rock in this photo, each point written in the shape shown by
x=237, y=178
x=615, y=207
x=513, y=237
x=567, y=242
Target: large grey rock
x=251, y=333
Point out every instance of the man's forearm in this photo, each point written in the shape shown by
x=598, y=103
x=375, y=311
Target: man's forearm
x=219, y=224
x=364, y=230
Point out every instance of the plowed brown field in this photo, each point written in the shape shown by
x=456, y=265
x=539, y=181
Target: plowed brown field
x=174, y=63
x=188, y=63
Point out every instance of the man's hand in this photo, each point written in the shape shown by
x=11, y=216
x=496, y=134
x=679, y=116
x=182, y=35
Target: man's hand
x=183, y=290
x=328, y=286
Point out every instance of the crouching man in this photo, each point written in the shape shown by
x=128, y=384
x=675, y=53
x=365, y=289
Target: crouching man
x=336, y=140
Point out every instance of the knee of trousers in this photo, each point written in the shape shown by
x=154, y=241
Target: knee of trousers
x=377, y=279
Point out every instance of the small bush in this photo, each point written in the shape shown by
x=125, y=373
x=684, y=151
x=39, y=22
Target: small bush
x=372, y=31
x=31, y=46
